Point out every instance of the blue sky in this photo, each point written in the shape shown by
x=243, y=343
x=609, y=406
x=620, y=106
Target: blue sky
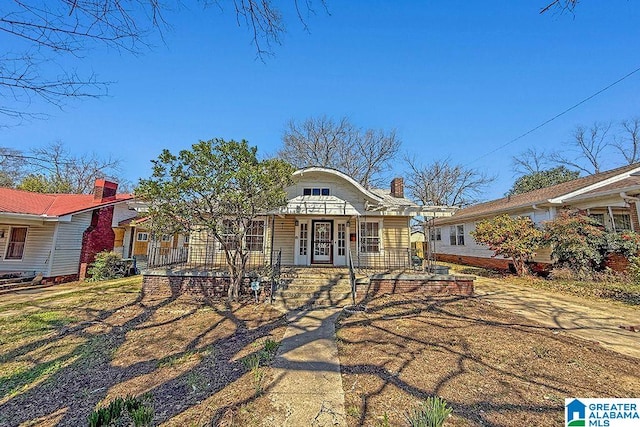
x=456, y=79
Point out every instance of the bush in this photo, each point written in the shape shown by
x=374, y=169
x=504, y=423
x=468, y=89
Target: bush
x=107, y=265
x=138, y=410
x=634, y=269
x=577, y=241
x=516, y=238
x=625, y=243
x=432, y=413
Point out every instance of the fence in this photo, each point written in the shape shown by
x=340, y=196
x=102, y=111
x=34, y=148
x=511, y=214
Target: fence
x=389, y=258
x=202, y=256
x=208, y=258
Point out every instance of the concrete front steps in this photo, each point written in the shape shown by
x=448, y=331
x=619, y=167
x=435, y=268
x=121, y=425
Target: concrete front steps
x=313, y=287
x=13, y=282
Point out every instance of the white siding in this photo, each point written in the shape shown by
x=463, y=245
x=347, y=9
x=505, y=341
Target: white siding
x=338, y=187
x=37, y=249
x=68, y=245
x=122, y=212
x=470, y=247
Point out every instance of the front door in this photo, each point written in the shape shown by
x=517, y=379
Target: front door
x=322, y=242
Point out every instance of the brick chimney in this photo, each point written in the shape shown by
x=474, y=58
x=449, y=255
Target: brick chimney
x=104, y=190
x=397, y=187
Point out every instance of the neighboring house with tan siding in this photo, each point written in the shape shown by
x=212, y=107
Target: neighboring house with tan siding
x=58, y=235
x=611, y=197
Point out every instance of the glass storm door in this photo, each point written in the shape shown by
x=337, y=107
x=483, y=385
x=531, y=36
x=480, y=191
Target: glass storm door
x=322, y=242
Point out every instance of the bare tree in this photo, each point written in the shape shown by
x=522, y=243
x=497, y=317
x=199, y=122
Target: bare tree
x=589, y=148
x=530, y=161
x=363, y=154
x=52, y=169
x=43, y=35
x=11, y=167
x=629, y=142
x=441, y=183
x=560, y=5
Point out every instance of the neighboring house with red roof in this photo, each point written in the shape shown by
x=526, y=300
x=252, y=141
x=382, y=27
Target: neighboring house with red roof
x=610, y=197
x=58, y=235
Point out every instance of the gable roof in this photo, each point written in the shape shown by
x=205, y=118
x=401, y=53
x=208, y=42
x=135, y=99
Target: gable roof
x=554, y=195
x=52, y=205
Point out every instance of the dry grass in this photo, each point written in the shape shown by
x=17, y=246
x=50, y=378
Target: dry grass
x=64, y=354
x=494, y=368
x=602, y=286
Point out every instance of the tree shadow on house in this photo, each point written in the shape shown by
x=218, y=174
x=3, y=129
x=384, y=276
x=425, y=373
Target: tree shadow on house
x=492, y=366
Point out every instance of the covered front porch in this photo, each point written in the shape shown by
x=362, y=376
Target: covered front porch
x=302, y=240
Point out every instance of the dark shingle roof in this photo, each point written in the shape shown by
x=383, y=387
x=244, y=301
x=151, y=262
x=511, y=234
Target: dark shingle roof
x=542, y=195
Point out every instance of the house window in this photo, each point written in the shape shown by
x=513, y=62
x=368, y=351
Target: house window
x=342, y=239
x=228, y=235
x=255, y=236
x=304, y=237
x=456, y=235
x=166, y=238
x=435, y=234
x=315, y=192
x=598, y=217
x=17, y=239
x=142, y=237
x=621, y=222
x=369, y=237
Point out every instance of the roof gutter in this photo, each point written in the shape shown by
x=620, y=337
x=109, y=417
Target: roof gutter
x=629, y=198
x=27, y=217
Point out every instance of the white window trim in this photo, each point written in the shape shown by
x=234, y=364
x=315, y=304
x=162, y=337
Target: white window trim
x=6, y=247
x=456, y=236
x=139, y=233
x=264, y=237
x=380, y=240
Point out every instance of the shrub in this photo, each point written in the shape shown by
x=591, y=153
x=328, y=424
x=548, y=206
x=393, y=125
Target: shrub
x=577, y=241
x=432, y=413
x=634, y=269
x=516, y=238
x=107, y=265
x=626, y=243
x=137, y=408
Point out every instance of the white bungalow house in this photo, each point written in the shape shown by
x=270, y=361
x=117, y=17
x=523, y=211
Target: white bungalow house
x=329, y=219
x=611, y=197
x=58, y=235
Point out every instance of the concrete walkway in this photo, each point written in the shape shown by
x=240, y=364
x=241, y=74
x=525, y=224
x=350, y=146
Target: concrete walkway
x=307, y=389
x=592, y=320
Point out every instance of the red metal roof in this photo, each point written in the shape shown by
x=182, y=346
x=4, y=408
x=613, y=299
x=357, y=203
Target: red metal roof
x=51, y=205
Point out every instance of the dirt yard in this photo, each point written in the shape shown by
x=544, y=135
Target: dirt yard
x=493, y=367
x=65, y=351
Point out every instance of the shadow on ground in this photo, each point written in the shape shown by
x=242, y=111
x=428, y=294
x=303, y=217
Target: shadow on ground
x=492, y=366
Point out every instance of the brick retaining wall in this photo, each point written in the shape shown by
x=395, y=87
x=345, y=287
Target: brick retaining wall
x=433, y=285
x=493, y=263
x=199, y=287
